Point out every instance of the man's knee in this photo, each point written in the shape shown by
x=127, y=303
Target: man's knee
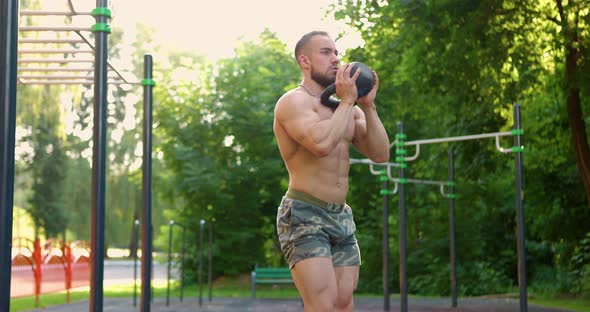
x=344, y=300
x=326, y=300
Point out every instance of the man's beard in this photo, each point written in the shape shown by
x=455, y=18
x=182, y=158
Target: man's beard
x=322, y=79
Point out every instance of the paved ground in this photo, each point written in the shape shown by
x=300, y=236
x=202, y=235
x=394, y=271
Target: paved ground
x=121, y=272
x=276, y=305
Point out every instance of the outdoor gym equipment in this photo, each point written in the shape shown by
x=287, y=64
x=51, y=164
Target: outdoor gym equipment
x=401, y=163
x=10, y=75
x=364, y=84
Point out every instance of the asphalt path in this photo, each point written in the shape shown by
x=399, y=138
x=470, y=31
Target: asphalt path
x=122, y=273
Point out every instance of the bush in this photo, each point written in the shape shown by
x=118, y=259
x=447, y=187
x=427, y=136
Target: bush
x=479, y=278
x=551, y=281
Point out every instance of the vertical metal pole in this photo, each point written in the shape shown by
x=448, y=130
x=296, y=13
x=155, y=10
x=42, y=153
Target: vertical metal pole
x=169, y=261
x=182, y=264
x=452, y=229
x=8, y=59
x=136, y=235
x=520, y=226
x=386, y=299
x=201, y=230
x=146, y=229
x=210, y=282
x=99, y=163
x=403, y=282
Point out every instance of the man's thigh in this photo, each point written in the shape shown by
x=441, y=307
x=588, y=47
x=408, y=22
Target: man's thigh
x=346, y=279
x=315, y=279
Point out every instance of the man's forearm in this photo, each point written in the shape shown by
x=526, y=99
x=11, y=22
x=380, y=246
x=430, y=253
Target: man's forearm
x=329, y=132
x=377, y=139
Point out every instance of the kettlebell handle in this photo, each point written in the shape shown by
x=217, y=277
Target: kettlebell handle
x=326, y=97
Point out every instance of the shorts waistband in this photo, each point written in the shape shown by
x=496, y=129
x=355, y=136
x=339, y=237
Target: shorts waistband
x=293, y=194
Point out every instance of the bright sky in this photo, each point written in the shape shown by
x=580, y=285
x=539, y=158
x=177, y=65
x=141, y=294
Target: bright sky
x=213, y=27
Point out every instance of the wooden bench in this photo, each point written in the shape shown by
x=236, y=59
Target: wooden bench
x=270, y=276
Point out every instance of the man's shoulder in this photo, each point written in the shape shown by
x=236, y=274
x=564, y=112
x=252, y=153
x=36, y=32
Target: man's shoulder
x=291, y=95
x=292, y=99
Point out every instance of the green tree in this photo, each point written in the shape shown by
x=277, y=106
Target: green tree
x=454, y=67
x=46, y=164
x=217, y=141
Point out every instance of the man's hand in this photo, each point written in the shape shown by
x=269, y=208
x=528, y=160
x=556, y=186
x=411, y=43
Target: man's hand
x=346, y=85
x=368, y=100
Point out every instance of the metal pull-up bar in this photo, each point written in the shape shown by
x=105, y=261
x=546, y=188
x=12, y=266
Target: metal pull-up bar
x=495, y=135
x=401, y=164
x=8, y=57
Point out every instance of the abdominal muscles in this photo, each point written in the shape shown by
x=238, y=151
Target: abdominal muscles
x=325, y=178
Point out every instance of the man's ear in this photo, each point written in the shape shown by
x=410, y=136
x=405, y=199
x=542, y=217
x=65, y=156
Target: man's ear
x=303, y=60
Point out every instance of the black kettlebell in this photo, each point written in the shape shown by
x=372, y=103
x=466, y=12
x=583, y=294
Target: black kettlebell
x=364, y=84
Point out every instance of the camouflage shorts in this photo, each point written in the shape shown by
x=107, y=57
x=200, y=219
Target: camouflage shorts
x=308, y=227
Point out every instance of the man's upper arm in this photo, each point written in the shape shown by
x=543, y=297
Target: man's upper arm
x=297, y=117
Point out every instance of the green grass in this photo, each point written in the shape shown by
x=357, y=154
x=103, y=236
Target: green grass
x=578, y=305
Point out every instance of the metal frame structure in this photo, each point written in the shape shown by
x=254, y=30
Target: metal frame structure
x=399, y=188
x=54, y=67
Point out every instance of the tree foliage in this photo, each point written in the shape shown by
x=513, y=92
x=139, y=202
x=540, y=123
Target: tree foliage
x=455, y=67
x=216, y=136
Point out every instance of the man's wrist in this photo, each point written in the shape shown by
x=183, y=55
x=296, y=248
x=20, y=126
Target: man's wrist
x=369, y=107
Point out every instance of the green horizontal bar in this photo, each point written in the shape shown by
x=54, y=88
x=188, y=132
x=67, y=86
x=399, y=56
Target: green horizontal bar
x=262, y=270
x=452, y=183
x=403, y=181
x=148, y=82
x=401, y=151
x=101, y=27
x=400, y=159
x=383, y=178
x=101, y=11
x=268, y=275
x=517, y=149
x=400, y=143
x=452, y=196
x=384, y=192
x=403, y=165
x=517, y=131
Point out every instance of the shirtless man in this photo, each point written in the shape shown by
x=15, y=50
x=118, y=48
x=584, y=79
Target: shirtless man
x=314, y=224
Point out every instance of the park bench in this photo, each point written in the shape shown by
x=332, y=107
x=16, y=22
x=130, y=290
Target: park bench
x=270, y=276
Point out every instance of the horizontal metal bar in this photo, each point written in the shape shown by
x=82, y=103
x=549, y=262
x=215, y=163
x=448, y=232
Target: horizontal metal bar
x=51, y=40
x=366, y=161
x=54, y=13
x=459, y=138
x=48, y=51
x=54, y=69
x=73, y=82
x=55, y=61
x=53, y=28
x=60, y=77
x=428, y=182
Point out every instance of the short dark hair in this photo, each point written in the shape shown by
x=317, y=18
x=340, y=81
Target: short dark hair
x=305, y=39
